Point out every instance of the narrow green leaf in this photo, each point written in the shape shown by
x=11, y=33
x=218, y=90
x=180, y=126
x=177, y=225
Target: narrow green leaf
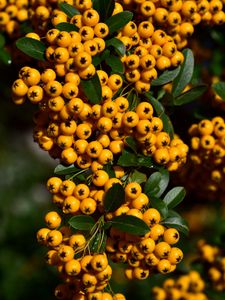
x=185, y=74
x=167, y=125
x=114, y=198
x=128, y=159
x=5, y=57
x=98, y=59
x=32, y=48
x=177, y=222
x=131, y=143
x=175, y=196
x=166, y=77
x=118, y=21
x=115, y=64
x=104, y=8
x=159, y=205
x=138, y=177
x=158, y=107
x=92, y=89
x=163, y=184
x=130, y=224
x=190, y=95
x=64, y=26
x=219, y=89
x=83, y=223
x=66, y=170
x=68, y=9
x=152, y=185
x=117, y=45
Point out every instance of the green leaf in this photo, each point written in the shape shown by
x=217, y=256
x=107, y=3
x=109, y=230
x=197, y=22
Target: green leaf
x=128, y=159
x=131, y=143
x=2, y=40
x=219, y=89
x=117, y=45
x=114, y=198
x=158, y=107
x=163, y=184
x=83, y=223
x=104, y=8
x=167, y=125
x=98, y=59
x=173, y=213
x=31, y=47
x=5, y=57
x=92, y=89
x=66, y=170
x=174, y=196
x=152, y=185
x=138, y=177
x=115, y=64
x=68, y=9
x=166, y=77
x=130, y=224
x=145, y=161
x=64, y=26
x=109, y=170
x=177, y=222
x=185, y=74
x=159, y=205
x=190, y=95
x=215, y=295
x=118, y=21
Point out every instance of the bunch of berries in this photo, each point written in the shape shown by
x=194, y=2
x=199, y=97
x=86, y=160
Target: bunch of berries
x=207, y=151
x=189, y=286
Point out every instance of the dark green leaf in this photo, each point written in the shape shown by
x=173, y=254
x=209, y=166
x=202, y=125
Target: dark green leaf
x=167, y=125
x=185, y=74
x=128, y=159
x=64, y=26
x=138, y=177
x=115, y=64
x=173, y=213
x=109, y=170
x=146, y=161
x=117, y=45
x=219, y=89
x=131, y=143
x=158, y=107
x=152, y=185
x=159, y=205
x=66, y=170
x=215, y=295
x=5, y=57
x=163, y=182
x=95, y=243
x=104, y=8
x=92, y=89
x=2, y=40
x=98, y=59
x=31, y=47
x=83, y=223
x=68, y=9
x=114, y=198
x=177, y=222
x=166, y=77
x=130, y=224
x=190, y=95
x=133, y=100
x=118, y=21
x=175, y=196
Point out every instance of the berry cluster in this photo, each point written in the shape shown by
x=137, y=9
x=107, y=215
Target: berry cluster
x=213, y=260
x=178, y=18
x=189, y=286
x=71, y=252
x=207, y=151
